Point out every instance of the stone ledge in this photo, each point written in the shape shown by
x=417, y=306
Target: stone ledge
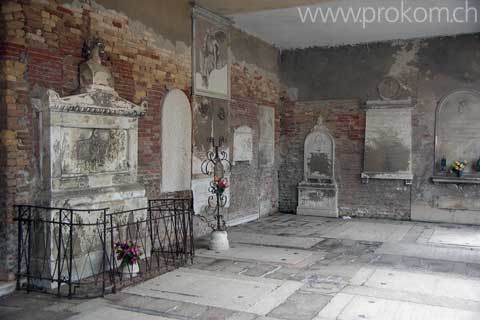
x=407, y=177
x=389, y=104
x=456, y=180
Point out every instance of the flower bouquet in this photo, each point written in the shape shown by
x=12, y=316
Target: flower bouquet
x=458, y=167
x=220, y=185
x=128, y=253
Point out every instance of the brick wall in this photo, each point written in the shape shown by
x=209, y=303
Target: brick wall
x=346, y=122
x=41, y=47
x=16, y=127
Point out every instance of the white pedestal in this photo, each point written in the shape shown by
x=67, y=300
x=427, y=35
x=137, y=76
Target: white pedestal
x=219, y=241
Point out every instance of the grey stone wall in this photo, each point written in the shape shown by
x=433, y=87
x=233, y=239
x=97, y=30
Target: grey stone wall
x=427, y=70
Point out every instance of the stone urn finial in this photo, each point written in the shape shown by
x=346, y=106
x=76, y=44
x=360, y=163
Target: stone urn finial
x=93, y=75
x=319, y=125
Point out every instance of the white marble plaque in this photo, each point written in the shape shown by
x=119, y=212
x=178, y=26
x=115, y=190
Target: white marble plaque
x=243, y=144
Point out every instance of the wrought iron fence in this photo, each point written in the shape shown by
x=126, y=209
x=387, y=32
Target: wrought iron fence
x=71, y=252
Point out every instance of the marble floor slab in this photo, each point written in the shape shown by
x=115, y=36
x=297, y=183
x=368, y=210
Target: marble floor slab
x=434, y=284
x=456, y=236
x=228, y=291
x=110, y=313
x=258, y=253
x=272, y=240
x=299, y=268
x=369, y=231
x=352, y=307
x=456, y=254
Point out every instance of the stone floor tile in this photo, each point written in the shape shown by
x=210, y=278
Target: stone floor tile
x=301, y=305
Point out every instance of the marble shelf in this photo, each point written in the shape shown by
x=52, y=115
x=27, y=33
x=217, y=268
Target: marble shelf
x=468, y=179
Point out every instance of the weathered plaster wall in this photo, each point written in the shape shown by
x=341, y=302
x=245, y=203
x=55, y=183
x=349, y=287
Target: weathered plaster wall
x=148, y=49
x=427, y=69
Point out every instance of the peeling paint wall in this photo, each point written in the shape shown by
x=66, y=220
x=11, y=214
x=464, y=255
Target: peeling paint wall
x=427, y=70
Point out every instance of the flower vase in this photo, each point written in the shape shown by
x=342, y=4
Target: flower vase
x=459, y=173
x=128, y=269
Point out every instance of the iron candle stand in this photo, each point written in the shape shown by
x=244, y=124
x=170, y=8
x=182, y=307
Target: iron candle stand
x=217, y=163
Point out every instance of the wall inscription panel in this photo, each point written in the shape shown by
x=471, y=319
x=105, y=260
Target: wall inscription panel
x=388, y=140
x=87, y=151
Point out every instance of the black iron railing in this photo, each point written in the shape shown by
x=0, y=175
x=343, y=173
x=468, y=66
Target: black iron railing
x=71, y=252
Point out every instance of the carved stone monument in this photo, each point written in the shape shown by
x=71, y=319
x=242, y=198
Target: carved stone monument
x=88, y=159
x=317, y=193
x=89, y=144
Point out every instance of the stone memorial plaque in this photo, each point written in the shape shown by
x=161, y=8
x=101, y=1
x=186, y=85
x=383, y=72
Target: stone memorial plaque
x=88, y=151
x=388, y=140
x=211, y=49
x=266, y=144
x=457, y=130
x=243, y=144
x=318, y=156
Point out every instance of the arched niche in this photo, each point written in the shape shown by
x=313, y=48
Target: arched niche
x=319, y=155
x=457, y=129
x=176, y=142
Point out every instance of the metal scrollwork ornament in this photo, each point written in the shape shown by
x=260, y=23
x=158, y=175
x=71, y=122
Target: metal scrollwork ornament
x=216, y=165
